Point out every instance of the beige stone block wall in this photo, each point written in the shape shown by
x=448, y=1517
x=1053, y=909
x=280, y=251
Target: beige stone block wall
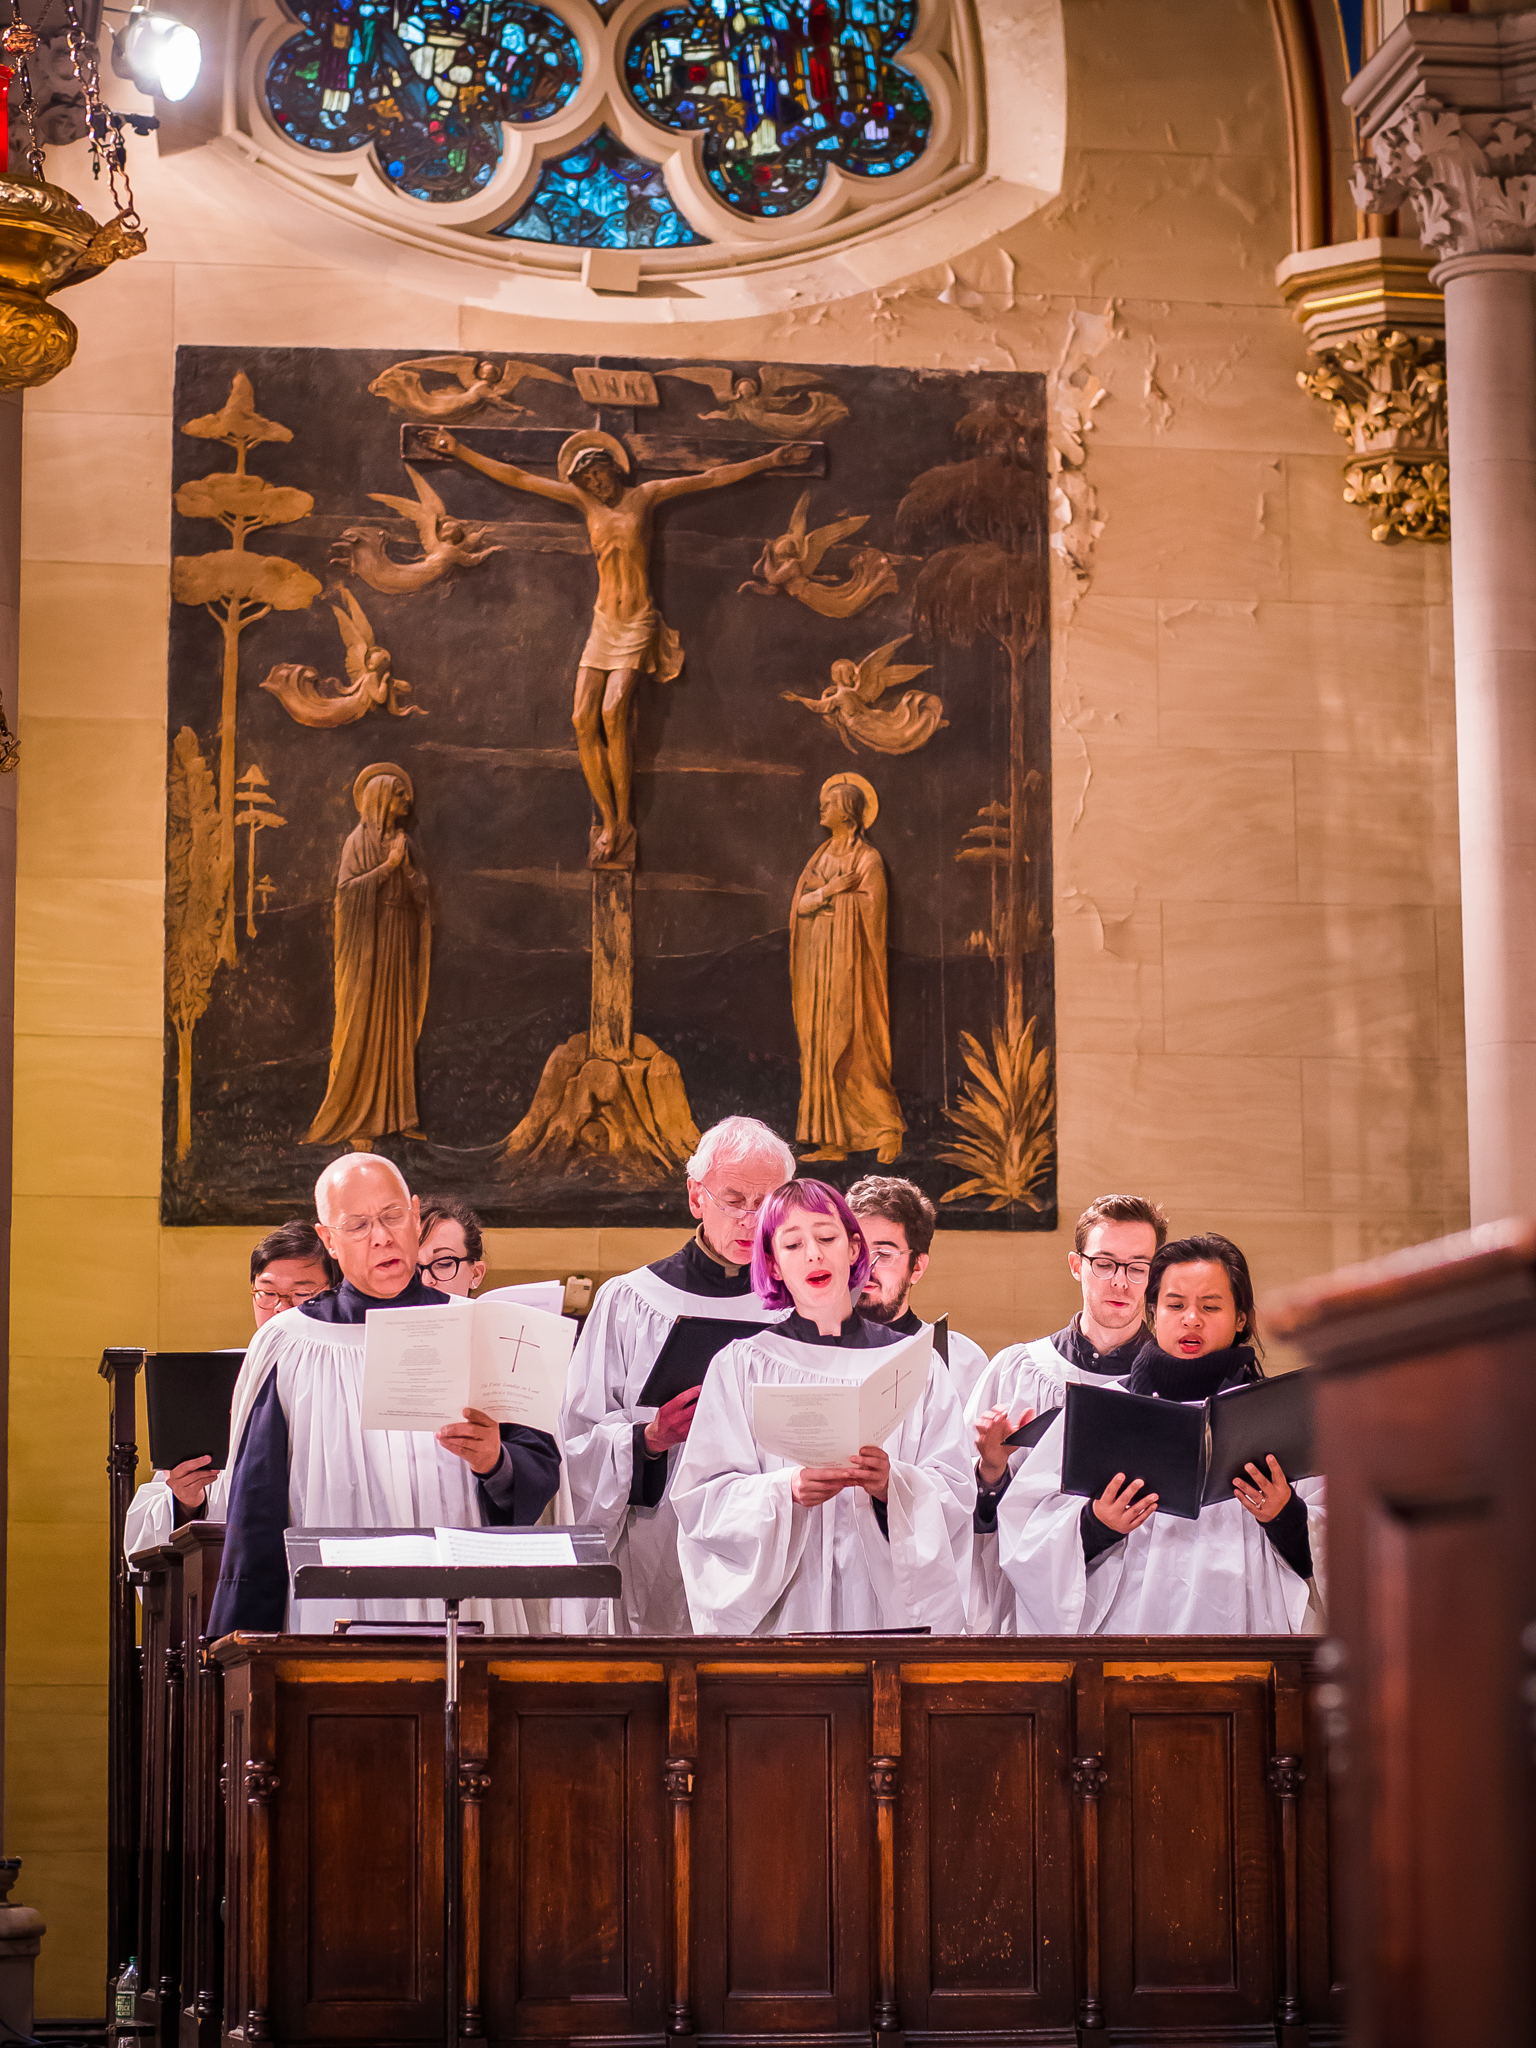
x=1257, y=939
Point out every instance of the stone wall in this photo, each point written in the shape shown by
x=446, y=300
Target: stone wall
x=1257, y=947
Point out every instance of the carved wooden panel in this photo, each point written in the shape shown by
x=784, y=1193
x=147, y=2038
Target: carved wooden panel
x=573, y=1859
x=782, y=1856
x=985, y=1934
x=360, y=1795
x=840, y=603
x=1188, y=1853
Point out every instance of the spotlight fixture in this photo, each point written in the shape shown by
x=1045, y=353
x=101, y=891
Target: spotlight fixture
x=159, y=53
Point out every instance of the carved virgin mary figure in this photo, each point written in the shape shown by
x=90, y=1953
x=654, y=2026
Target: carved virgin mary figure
x=837, y=972
x=383, y=949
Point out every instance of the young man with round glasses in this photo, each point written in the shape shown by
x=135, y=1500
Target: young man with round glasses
x=1112, y=1253
x=289, y=1266
x=620, y=1456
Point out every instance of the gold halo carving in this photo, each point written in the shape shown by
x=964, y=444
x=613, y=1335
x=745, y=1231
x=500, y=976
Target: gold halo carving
x=866, y=790
x=578, y=444
x=371, y=774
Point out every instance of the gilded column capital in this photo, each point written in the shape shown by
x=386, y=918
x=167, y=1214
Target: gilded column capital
x=1470, y=178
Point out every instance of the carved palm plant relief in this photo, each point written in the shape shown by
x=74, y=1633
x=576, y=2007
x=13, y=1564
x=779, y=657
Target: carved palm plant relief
x=649, y=849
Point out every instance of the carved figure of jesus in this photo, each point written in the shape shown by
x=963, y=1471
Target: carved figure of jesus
x=629, y=637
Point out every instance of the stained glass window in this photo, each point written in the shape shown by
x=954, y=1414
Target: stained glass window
x=427, y=82
x=782, y=88
x=598, y=196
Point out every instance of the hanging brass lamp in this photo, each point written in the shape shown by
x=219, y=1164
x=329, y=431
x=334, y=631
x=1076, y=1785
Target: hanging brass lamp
x=47, y=239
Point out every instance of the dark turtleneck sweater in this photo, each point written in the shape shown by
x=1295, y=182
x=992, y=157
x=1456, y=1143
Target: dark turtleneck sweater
x=252, y=1592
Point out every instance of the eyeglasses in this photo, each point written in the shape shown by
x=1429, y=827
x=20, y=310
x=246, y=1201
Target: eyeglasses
x=359, y=1226
x=886, y=1256
x=444, y=1265
x=737, y=1211
x=1135, y=1270
x=292, y=1297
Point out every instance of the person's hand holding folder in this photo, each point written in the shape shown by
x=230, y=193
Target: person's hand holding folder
x=672, y=1421
x=1118, y=1508
x=1263, y=1496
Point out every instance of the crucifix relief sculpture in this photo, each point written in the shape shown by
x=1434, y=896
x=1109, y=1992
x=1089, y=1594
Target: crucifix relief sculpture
x=629, y=637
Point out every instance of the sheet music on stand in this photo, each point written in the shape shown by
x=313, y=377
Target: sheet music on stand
x=450, y=1565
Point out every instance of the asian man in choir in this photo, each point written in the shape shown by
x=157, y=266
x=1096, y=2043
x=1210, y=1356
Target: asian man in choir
x=289, y=1266
x=301, y=1458
x=768, y=1547
x=1114, y=1566
x=621, y=1456
x=898, y=1222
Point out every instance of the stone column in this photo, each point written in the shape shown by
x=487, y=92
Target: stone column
x=1447, y=107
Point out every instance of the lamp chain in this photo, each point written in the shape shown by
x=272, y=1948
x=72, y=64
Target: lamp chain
x=19, y=40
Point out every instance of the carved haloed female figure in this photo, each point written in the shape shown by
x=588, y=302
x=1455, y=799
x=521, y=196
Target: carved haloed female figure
x=837, y=972
x=383, y=952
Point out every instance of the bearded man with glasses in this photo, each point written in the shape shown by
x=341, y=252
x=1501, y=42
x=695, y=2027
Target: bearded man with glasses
x=619, y=1455
x=300, y=1456
x=1113, y=1246
x=288, y=1266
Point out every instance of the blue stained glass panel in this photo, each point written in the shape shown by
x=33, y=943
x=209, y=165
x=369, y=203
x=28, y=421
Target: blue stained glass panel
x=427, y=82
x=782, y=88
x=599, y=196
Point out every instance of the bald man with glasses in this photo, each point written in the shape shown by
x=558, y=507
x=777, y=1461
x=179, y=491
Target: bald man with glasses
x=301, y=1458
x=1111, y=1257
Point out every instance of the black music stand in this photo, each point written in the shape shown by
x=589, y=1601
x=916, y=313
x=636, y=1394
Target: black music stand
x=592, y=1576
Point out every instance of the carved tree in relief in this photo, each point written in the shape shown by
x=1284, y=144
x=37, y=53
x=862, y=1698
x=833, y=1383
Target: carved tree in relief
x=990, y=581
x=197, y=889
x=235, y=586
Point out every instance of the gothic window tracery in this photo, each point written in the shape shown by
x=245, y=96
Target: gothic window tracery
x=600, y=196
x=704, y=131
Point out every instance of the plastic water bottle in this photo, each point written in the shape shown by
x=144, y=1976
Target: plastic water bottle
x=126, y=1996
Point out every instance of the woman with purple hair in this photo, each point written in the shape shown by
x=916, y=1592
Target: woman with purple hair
x=768, y=1547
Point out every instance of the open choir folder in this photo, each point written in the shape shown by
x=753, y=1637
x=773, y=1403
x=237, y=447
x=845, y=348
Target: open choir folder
x=188, y=1394
x=691, y=1344
x=1186, y=1453
x=422, y=1367
x=451, y=1547
x=819, y=1423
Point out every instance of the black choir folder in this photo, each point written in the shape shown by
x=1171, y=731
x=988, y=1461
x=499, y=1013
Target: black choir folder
x=1187, y=1455
x=684, y=1358
x=188, y=1394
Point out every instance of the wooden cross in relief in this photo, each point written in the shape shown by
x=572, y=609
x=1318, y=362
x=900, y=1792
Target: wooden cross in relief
x=615, y=396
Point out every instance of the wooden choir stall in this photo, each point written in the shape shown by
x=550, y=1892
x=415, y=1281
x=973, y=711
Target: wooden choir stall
x=824, y=1839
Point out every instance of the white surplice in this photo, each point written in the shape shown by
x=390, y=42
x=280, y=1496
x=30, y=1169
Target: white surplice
x=1219, y=1575
x=151, y=1517
x=1035, y=1376
x=341, y=1476
x=620, y=1341
x=755, y=1563
x=967, y=1363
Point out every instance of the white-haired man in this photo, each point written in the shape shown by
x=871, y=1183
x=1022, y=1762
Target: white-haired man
x=301, y=1458
x=619, y=1455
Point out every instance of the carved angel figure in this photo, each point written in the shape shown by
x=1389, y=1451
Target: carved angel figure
x=790, y=562
x=467, y=383
x=851, y=703
x=308, y=701
x=446, y=543
x=765, y=401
